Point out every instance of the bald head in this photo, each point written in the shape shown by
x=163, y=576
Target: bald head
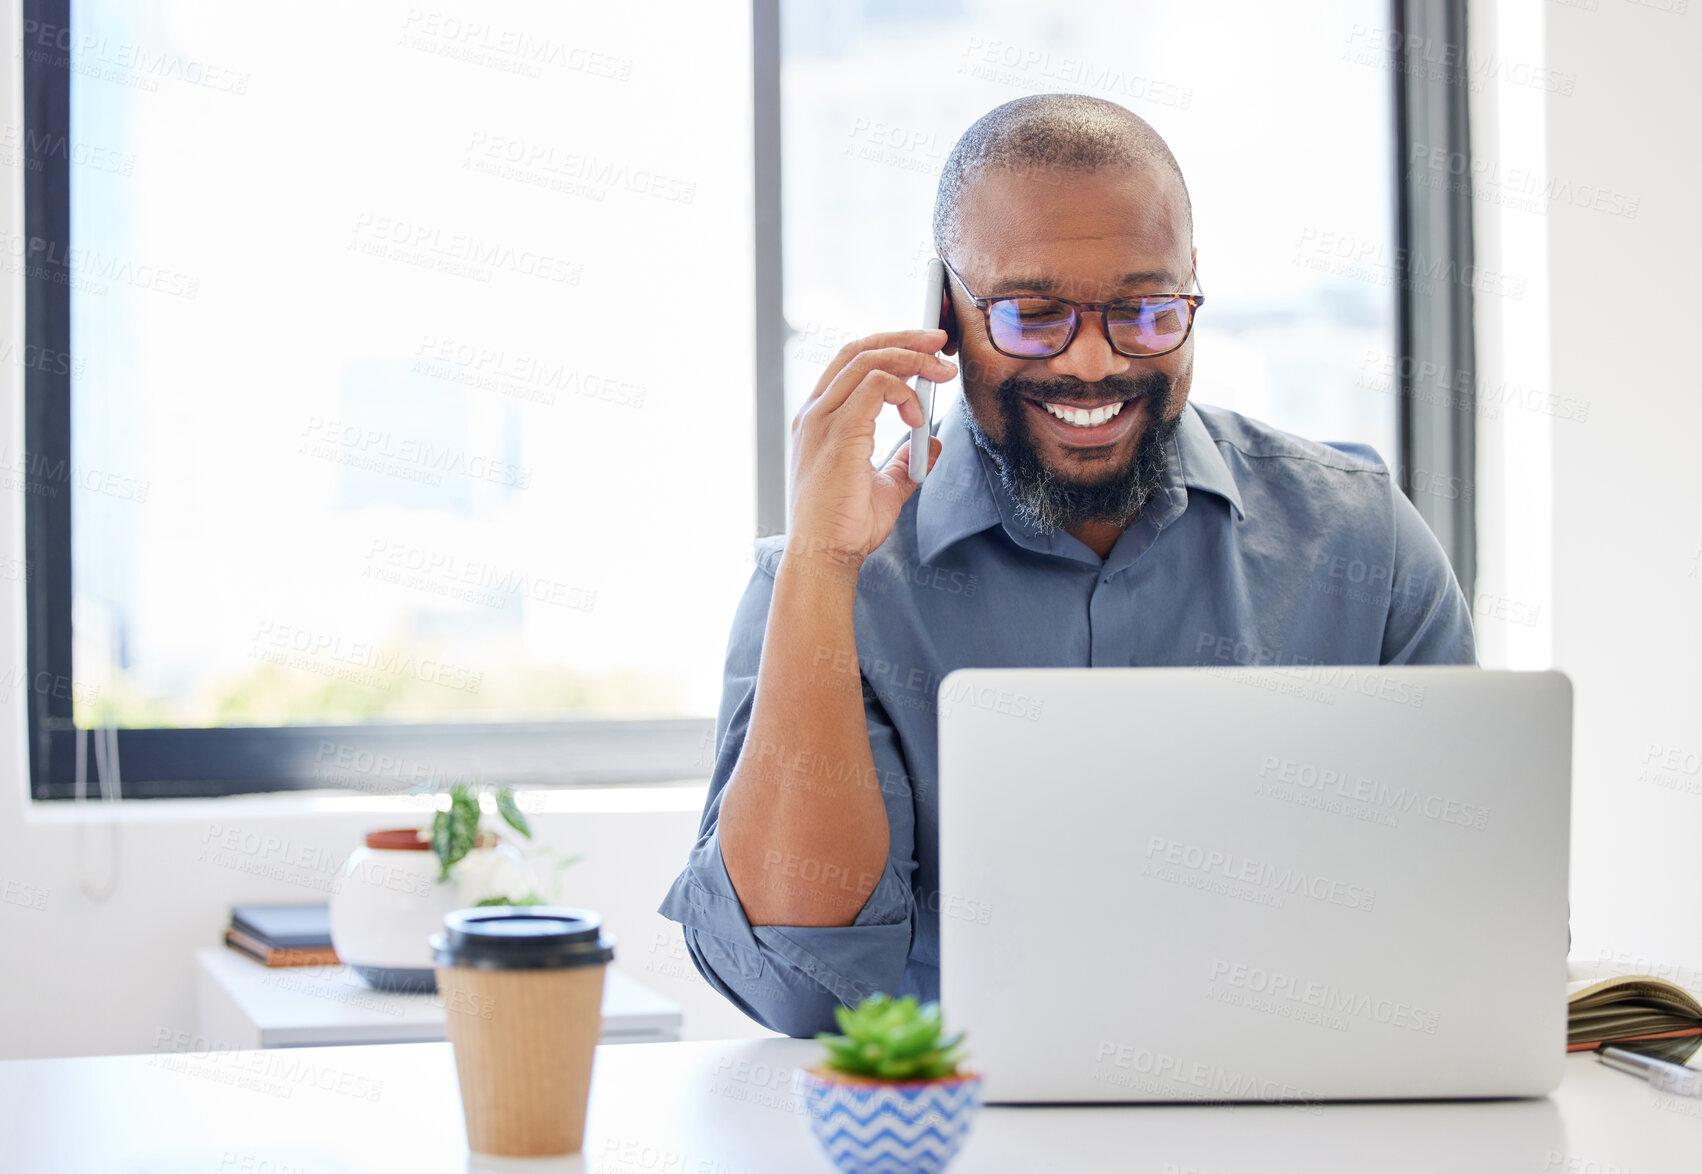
x=1045, y=134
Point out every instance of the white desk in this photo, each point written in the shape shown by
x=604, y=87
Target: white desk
x=728, y=1107
x=241, y=1004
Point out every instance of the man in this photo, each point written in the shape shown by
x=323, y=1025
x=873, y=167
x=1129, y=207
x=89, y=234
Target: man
x=1079, y=511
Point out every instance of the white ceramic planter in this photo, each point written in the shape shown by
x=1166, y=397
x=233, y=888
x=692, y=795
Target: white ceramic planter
x=389, y=902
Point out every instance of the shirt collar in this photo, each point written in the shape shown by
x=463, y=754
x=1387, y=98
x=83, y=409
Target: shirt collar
x=1200, y=463
x=962, y=494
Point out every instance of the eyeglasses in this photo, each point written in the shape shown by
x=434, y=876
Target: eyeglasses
x=1035, y=326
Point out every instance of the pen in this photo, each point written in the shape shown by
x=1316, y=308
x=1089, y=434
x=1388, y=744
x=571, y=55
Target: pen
x=1662, y=1075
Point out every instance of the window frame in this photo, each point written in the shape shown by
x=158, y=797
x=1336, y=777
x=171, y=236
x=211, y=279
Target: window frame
x=1434, y=319
x=47, y=409
x=1432, y=326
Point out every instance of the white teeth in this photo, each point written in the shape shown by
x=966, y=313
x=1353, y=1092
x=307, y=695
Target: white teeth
x=1084, y=419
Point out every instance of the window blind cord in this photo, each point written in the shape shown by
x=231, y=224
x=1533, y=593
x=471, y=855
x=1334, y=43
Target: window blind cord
x=107, y=777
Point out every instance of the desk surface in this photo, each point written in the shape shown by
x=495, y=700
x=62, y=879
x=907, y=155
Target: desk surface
x=729, y=1107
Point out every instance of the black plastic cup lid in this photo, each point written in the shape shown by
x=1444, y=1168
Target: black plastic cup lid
x=522, y=937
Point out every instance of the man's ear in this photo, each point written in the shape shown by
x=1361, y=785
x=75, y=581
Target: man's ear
x=948, y=319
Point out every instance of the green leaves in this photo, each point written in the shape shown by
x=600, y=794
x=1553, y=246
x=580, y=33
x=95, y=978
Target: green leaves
x=892, y=1039
x=455, y=831
x=511, y=813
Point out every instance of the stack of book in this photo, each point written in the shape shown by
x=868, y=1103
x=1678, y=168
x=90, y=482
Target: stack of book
x=282, y=935
x=1618, y=1008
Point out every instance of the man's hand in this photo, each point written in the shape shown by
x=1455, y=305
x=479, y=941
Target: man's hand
x=841, y=505
x=808, y=707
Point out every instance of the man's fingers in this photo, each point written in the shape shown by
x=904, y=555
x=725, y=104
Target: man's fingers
x=893, y=362
x=883, y=387
x=896, y=472
x=925, y=342
x=900, y=462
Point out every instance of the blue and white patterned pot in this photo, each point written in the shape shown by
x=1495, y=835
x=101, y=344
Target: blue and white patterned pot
x=885, y=1127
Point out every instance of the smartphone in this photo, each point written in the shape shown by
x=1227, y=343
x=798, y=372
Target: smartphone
x=933, y=318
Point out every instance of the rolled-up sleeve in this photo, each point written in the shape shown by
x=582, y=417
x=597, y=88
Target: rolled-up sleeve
x=790, y=978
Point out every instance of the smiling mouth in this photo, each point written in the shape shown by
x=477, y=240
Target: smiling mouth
x=1086, y=426
x=1083, y=417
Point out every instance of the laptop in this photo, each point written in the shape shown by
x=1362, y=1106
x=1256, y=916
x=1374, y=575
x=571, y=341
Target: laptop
x=1291, y=884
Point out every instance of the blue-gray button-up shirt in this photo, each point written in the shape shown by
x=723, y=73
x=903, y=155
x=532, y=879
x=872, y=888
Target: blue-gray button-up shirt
x=1261, y=548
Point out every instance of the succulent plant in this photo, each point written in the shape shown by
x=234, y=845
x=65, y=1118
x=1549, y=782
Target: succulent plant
x=891, y=1039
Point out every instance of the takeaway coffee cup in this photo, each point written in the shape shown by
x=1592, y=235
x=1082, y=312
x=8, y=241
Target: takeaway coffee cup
x=522, y=992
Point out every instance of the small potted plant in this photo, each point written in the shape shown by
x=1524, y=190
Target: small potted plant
x=394, y=890
x=889, y=1095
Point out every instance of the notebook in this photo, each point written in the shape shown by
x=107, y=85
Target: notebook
x=282, y=935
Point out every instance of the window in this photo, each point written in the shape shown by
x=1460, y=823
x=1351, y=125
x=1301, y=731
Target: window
x=410, y=385
x=1284, y=133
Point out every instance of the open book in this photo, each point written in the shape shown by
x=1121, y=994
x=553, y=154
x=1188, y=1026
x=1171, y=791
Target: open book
x=1629, y=1007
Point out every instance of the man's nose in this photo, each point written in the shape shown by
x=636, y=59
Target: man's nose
x=1089, y=357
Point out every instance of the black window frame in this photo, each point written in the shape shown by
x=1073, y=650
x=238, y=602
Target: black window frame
x=1434, y=323
x=1436, y=434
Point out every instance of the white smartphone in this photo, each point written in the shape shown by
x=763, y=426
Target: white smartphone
x=933, y=299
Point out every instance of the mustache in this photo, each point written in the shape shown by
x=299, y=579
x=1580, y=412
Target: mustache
x=1153, y=385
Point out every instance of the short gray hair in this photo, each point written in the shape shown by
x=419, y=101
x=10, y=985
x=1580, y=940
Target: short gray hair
x=1074, y=132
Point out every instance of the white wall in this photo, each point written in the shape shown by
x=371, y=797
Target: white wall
x=1627, y=486
x=1590, y=503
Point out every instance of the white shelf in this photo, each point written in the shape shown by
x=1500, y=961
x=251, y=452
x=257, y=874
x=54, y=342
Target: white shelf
x=242, y=1004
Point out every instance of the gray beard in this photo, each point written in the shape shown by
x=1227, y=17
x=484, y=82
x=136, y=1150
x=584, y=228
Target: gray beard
x=1048, y=502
